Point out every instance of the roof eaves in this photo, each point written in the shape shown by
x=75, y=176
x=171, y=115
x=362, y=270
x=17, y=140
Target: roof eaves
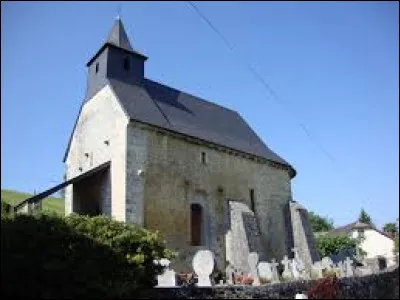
x=107, y=44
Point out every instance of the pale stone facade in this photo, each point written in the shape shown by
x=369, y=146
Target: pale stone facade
x=153, y=176
x=173, y=176
x=100, y=132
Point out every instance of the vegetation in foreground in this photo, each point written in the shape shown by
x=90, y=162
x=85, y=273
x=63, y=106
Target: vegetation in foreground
x=46, y=256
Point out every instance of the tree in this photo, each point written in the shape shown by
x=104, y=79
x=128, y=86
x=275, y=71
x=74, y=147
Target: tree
x=364, y=217
x=390, y=228
x=319, y=223
x=328, y=245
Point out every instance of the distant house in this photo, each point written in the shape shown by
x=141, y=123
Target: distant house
x=375, y=243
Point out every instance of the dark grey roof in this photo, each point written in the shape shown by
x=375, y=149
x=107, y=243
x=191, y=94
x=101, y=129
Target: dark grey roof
x=346, y=229
x=118, y=36
x=174, y=110
x=342, y=230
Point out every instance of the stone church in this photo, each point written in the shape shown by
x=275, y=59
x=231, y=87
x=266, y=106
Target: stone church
x=170, y=161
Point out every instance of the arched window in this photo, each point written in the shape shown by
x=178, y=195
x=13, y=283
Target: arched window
x=196, y=217
x=127, y=64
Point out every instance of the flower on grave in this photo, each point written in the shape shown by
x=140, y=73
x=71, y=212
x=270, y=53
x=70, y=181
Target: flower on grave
x=244, y=279
x=324, y=288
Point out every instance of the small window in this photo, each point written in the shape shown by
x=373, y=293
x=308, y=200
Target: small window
x=97, y=67
x=361, y=233
x=252, y=203
x=127, y=64
x=203, y=157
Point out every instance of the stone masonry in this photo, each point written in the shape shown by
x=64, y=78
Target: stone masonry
x=167, y=152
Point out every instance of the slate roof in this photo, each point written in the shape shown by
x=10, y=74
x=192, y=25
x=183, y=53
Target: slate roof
x=159, y=105
x=165, y=107
x=346, y=229
x=117, y=37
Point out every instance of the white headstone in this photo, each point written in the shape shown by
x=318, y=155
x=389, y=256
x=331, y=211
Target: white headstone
x=287, y=273
x=340, y=269
x=265, y=271
x=301, y=296
x=317, y=269
x=203, y=265
x=167, y=279
x=275, y=275
x=294, y=268
x=253, y=260
x=229, y=272
x=327, y=263
x=298, y=266
x=348, y=268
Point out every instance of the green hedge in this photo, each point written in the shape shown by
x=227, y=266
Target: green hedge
x=328, y=245
x=77, y=256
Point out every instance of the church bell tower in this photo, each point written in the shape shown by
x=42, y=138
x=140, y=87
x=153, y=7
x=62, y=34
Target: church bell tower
x=116, y=59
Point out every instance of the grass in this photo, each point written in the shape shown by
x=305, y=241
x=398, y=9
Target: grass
x=50, y=204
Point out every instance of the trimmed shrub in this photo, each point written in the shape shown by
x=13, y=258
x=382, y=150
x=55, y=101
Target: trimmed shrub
x=46, y=256
x=328, y=245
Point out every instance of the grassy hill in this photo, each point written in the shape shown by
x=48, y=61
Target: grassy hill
x=50, y=204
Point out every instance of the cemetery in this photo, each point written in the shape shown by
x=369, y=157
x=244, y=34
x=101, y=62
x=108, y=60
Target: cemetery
x=287, y=279
x=171, y=196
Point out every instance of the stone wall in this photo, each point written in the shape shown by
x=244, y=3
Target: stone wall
x=377, y=286
x=175, y=175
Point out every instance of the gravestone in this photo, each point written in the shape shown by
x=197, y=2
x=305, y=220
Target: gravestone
x=203, y=265
x=253, y=260
x=167, y=278
x=362, y=271
x=327, y=264
x=340, y=269
x=300, y=296
x=229, y=273
x=295, y=270
x=349, y=272
x=298, y=267
x=316, y=270
x=287, y=273
x=265, y=272
x=275, y=275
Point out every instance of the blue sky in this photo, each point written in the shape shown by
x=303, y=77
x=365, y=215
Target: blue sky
x=335, y=65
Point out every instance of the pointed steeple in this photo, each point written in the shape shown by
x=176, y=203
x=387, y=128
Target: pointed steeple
x=118, y=36
x=115, y=59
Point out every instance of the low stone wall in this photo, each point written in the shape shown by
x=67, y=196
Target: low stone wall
x=377, y=286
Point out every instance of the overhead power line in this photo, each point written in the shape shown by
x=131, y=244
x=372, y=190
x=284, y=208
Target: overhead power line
x=260, y=79
x=266, y=86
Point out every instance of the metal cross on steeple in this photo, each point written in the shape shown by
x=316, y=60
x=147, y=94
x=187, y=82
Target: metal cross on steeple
x=119, y=11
